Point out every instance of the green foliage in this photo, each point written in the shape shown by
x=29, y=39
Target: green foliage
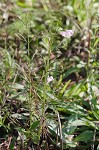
x=49, y=84
x=85, y=136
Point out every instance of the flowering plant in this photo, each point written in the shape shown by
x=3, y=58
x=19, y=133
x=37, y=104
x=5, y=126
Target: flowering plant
x=49, y=79
x=67, y=33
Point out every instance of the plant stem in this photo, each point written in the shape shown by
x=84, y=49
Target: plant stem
x=30, y=82
x=60, y=131
x=47, y=65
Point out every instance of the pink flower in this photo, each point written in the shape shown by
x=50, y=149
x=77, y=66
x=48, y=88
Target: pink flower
x=49, y=79
x=67, y=33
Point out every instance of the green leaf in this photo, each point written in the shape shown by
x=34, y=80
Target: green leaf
x=85, y=136
x=65, y=86
x=77, y=123
x=98, y=147
x=12, y=144
x=60, y=81
x=74, y=90
x=96, y=42
x=70, y=129
x=17, y=86
x=35, y=125
x=21, y=4
x=35, y=138
x=96, y=115
x=71, y=144
x=71, y=70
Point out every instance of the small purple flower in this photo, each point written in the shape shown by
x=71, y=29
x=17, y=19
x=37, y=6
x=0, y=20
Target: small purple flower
x=67, y=33
x=49, y=79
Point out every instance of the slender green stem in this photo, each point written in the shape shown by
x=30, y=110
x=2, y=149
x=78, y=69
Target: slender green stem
x=60, y=131
x=47, y=65
x=28, y=46
x=30, y=82
x=89, y=68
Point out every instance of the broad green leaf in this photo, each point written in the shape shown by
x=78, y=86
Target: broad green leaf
x=78, y=123
x=85, y=136
x=35, y=125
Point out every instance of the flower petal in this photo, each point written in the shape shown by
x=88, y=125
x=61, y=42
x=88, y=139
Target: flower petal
x=67, y=33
